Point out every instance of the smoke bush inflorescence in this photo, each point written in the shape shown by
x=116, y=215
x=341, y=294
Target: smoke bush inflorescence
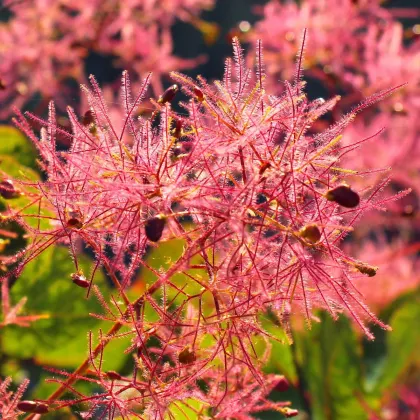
x=260, y=203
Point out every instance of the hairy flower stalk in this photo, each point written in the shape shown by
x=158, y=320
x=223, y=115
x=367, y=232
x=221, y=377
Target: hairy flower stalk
x=267, y=205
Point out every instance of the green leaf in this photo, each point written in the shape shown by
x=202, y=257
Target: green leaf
x=185, y=410
x=16, y=170
x=13, y=143
x=330, y=361
x=281, y=358
x=60, y=339
x=402, y=345
x=160, y=258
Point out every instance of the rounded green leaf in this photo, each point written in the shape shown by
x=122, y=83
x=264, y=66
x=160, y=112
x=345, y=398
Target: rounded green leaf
x=13, y=143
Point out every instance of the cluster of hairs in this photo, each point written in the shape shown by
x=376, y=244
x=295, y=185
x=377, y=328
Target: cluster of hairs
x=260, y=203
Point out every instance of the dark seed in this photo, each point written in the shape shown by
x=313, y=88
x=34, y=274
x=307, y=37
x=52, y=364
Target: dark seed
x=168, y=95
x=8, y=190
x=32, y=407
x=310, y=233
x=113, y=375
x=74, y=223
x=344, y=196
x=154, y=228
x=367, y=269
x=282, y=385
x=3, y=84
x=186, y=356
x=80, y=280
x=178, y=128
x=261, y=199
x=198, y=94
x=88, y=118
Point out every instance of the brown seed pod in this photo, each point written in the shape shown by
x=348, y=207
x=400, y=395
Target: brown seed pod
x=154, y=228
x=198, y=94
x=74, y=223
x=80, y=280
x=36, y=407
x=282, y=384
x=8, y=189
x=187, y=356
x=261, y=199
x=88, y=118
x=344, y=196
x=178, y=128
x=310, y=233
x=168, y=95
x=113, y=375
x=367, y=269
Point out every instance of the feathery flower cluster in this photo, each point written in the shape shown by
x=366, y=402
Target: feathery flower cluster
x=9, y=401
x=40, y=50
x=369, y=42
x=260, y=204
x=375, y=52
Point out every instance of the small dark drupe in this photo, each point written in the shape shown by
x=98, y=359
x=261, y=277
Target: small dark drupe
x=154, y=228
x=344, y=196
